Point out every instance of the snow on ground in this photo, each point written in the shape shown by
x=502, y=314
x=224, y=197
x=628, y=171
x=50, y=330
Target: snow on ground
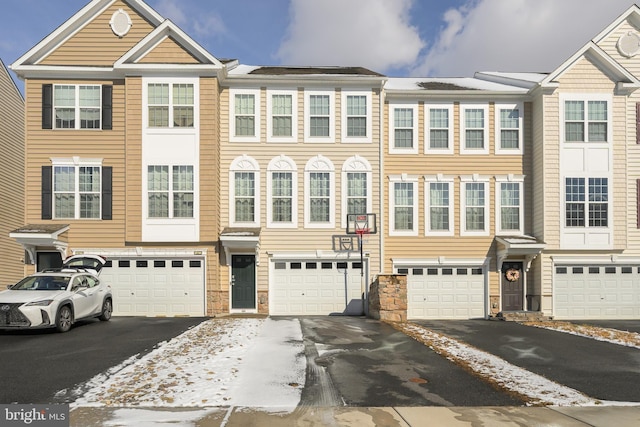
x=220, y=362
x=536, y=389
x=614, y=336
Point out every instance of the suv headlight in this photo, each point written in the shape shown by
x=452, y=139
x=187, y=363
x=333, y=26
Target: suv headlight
x=42, y=303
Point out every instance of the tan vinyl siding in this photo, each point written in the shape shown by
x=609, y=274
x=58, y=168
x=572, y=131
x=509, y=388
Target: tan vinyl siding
x=301, y=238
x=168, y=52
x=133, y=165
x=107, y=145
x=11, y=176
x=96, y=45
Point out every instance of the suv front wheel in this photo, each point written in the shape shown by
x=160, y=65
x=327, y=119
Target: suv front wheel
x=107, y=309
x=64, y=319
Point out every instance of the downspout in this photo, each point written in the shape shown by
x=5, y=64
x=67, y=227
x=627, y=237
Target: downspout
x=381, y=177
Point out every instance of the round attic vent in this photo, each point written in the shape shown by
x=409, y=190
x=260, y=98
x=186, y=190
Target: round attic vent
x=629, y=44
x=120, y=23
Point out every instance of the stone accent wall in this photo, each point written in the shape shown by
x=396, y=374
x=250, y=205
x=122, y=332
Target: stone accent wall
x=388, y=298
x=218, y=303
x=263, y=302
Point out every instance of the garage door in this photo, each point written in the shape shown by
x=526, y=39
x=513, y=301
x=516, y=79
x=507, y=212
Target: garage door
x=156, y=287
x=444, y=293
x=315, y=287
x=597, y=292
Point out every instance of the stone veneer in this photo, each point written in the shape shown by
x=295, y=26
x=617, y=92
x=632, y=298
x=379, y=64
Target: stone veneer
x=388, y=298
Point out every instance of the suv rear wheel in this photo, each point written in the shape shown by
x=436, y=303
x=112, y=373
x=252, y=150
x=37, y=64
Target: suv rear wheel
x=64, y=319
x=107, y=309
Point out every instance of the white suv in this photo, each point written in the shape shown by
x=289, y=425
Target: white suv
x=56, y=298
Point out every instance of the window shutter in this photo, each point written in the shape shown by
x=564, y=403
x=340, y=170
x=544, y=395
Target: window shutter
x=637, y=122
x=47, y=187
x=47, y=106
x=107, y=107
x=107, y=192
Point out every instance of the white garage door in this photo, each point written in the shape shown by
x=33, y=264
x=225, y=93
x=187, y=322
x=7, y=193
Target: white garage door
x=156, y=287
x=597, y=292
x=444, y=293
x=315, y=287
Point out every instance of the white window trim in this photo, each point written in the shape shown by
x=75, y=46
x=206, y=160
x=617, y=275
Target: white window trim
x=427, y=125
x=319, y=163
x=465, y=179
x=463, y=134
x=75, y=162
x=332, y=116
x=392, y=147
x=498, y=128
x=170, y=191
x=564, y=230
x=232, y=115
x=429, y=179
x=244, y=163
x=170, y=81
x=586, y=97
x=518, y=179
x=393, y=179
x=294, y=115
x=282, y=163
x=355, y=139
x=356, y=164
x=76, y=106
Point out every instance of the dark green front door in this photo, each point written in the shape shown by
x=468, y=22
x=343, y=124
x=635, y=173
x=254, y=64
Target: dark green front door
x=243, y=281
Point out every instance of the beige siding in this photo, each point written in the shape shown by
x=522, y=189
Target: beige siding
x=96, y=45
x=108, y=145
x=133, y=165
x=168, y=52
x=11, y=176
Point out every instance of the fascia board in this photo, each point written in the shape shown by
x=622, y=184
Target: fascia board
x=630, y=13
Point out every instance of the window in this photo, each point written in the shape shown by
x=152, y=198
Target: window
x=245, y=115
x=474, y=129
x=356, y=187
x=282, y=193
x=475, y=207
x=170, y=195
x=586, y=202
x=439, y=132
x=356, y=116
x=508, y=129
x=319, y=185
x=319, y=116
x=404, y=206
x=586, y=120
x=283, y=119
x=77, y=106
x=509, y=205
x=244, y=201
x=170, y=105
x=404, y=134
x=76, y=192
x=439, y=206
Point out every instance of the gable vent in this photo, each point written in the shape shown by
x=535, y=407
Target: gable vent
x=120, y=23
x=629, y=44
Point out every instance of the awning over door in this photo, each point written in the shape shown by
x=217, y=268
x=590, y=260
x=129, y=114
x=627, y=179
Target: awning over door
x=240, y=239
x=33, y=236
x=527, y=247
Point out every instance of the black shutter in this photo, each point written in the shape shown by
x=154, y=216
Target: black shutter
x=107, y=192
x=47, y=187
x=47, y=106
x=107, y=107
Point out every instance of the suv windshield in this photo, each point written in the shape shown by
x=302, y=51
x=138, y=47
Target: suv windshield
x=42, y=283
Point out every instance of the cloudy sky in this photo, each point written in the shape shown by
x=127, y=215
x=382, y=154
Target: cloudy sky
x=451, y=38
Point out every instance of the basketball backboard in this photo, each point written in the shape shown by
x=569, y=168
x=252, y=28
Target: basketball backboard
x=362, y=224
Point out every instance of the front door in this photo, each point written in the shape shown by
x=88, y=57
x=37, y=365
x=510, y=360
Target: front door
x=243, y=281
x=512, y=286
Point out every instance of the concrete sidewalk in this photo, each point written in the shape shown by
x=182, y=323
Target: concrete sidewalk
x=604, y=416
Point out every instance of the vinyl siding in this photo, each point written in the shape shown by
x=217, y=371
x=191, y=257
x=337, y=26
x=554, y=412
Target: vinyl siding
x=133, y=165
x=300, y=238
x=168, y=52
x=108, y=145
x=11, y=176
x=96, y=45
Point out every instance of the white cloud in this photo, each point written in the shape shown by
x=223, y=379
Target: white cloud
x=515, y=35
x=372, y=33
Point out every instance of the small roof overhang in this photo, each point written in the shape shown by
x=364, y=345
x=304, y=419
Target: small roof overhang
x=524, y=246
x=240, y=239
x=32, y=236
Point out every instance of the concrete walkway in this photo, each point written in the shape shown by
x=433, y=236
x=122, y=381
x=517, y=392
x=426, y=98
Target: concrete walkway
x=605, y=416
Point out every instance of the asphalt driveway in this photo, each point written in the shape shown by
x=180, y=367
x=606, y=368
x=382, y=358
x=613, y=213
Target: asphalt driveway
x=34, y=365
x=598, y=369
